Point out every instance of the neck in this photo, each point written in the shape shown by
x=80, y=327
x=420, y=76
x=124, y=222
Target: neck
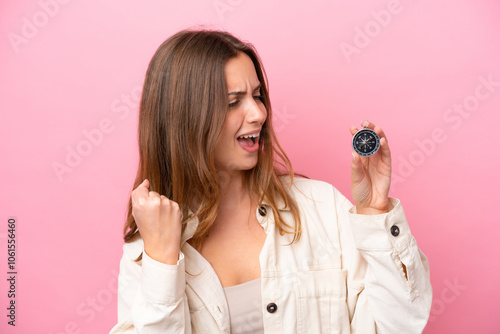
x=233, y=201
x=233, y=194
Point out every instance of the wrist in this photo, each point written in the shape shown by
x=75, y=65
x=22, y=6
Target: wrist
x=374, y=211
x=170, y=256
x=370, y=211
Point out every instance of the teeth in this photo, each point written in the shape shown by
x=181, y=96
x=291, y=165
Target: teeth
x=250, y=136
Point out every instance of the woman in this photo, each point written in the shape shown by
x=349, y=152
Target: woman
x=222, y=237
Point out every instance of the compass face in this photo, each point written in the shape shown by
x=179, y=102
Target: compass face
x=366, y=142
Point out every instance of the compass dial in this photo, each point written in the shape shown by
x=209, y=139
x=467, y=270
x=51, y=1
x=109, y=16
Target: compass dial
x=366, y=142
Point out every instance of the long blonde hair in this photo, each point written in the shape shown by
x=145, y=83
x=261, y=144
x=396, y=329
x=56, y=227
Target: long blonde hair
x=182, y=112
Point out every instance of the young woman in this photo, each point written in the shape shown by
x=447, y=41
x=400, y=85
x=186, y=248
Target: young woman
x=223, y=237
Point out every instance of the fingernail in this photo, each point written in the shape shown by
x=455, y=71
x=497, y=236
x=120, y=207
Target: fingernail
x=353, y=156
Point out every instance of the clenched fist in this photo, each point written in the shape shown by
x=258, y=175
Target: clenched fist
x=159, y=222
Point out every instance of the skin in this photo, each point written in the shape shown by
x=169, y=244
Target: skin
x=159, y=222
x=236, y=238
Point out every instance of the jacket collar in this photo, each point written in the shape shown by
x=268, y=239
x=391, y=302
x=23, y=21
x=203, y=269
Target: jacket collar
x=280, y=203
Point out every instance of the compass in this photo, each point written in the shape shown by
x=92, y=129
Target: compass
x=366, y=142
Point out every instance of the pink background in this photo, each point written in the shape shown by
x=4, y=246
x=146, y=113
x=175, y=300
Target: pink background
x=70, y=69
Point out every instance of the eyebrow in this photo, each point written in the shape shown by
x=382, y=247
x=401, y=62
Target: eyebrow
x=241, y=93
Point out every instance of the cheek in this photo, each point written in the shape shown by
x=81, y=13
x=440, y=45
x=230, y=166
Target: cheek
x=264, y=111
x=231, y=126
x=226, y=138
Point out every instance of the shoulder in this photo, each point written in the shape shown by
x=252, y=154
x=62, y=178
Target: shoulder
x=311, y=185
x=309, y=191
x=322, y=207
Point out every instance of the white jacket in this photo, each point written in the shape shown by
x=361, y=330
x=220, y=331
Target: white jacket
x=343, y=276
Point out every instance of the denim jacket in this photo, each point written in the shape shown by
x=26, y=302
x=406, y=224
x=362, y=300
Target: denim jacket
x=344, y=275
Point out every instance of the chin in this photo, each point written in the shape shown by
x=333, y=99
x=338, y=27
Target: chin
x=252, y=162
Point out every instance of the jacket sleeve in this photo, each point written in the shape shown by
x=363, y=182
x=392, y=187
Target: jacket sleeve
x=151, y=296
x=381, y=297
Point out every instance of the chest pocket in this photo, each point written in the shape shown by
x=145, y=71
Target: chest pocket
x=321, y=301
x=202, y=321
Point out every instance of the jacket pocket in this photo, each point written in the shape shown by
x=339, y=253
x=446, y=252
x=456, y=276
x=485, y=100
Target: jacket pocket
x=321, y=301
x=202, y=321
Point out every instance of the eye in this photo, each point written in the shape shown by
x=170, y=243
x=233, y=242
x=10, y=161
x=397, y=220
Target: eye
x=234, y=104
x=259, y=97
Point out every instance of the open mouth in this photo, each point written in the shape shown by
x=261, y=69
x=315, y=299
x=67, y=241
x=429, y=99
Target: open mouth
x=248, y=141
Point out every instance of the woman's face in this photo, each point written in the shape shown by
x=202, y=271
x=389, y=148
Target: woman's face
x=245, y=117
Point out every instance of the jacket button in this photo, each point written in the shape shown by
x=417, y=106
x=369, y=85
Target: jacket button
x=395, y=230
x=272, y=307
x=262, y=211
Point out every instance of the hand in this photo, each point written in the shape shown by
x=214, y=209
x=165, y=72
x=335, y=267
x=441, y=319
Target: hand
x=371, y=177
x=159, y=222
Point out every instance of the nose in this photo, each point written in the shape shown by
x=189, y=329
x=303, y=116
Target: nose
x=256, y=112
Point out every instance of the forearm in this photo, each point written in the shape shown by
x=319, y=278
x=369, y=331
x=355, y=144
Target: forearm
x=160, y=301
x=151, y=297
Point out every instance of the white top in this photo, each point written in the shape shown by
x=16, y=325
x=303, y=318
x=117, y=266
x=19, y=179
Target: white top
x=345, y=275
x=245, y=307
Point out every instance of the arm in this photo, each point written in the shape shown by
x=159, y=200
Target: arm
x=382, y=297
x=151, y=296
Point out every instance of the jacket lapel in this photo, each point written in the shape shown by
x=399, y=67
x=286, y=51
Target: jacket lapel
x=201, y=277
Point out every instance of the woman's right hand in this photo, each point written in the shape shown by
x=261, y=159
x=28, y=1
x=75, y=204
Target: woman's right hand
x=159, y=222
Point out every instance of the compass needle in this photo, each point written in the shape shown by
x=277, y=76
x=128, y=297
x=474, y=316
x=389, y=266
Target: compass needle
x=366, y=142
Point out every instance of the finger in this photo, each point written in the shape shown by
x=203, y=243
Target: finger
x=168, y=202
x=385, y=150
x=368, y=124
x=142, y=191
x=169, y=207
x=353, y=130
x=164, y=203
x=380, y=132
x=356, y=168
x=144, y=184
x=154, y=194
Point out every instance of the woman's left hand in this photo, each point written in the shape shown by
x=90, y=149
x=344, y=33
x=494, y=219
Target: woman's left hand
x=371, y=177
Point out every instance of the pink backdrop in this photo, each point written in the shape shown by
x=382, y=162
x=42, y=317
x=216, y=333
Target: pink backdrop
x=427, y=72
